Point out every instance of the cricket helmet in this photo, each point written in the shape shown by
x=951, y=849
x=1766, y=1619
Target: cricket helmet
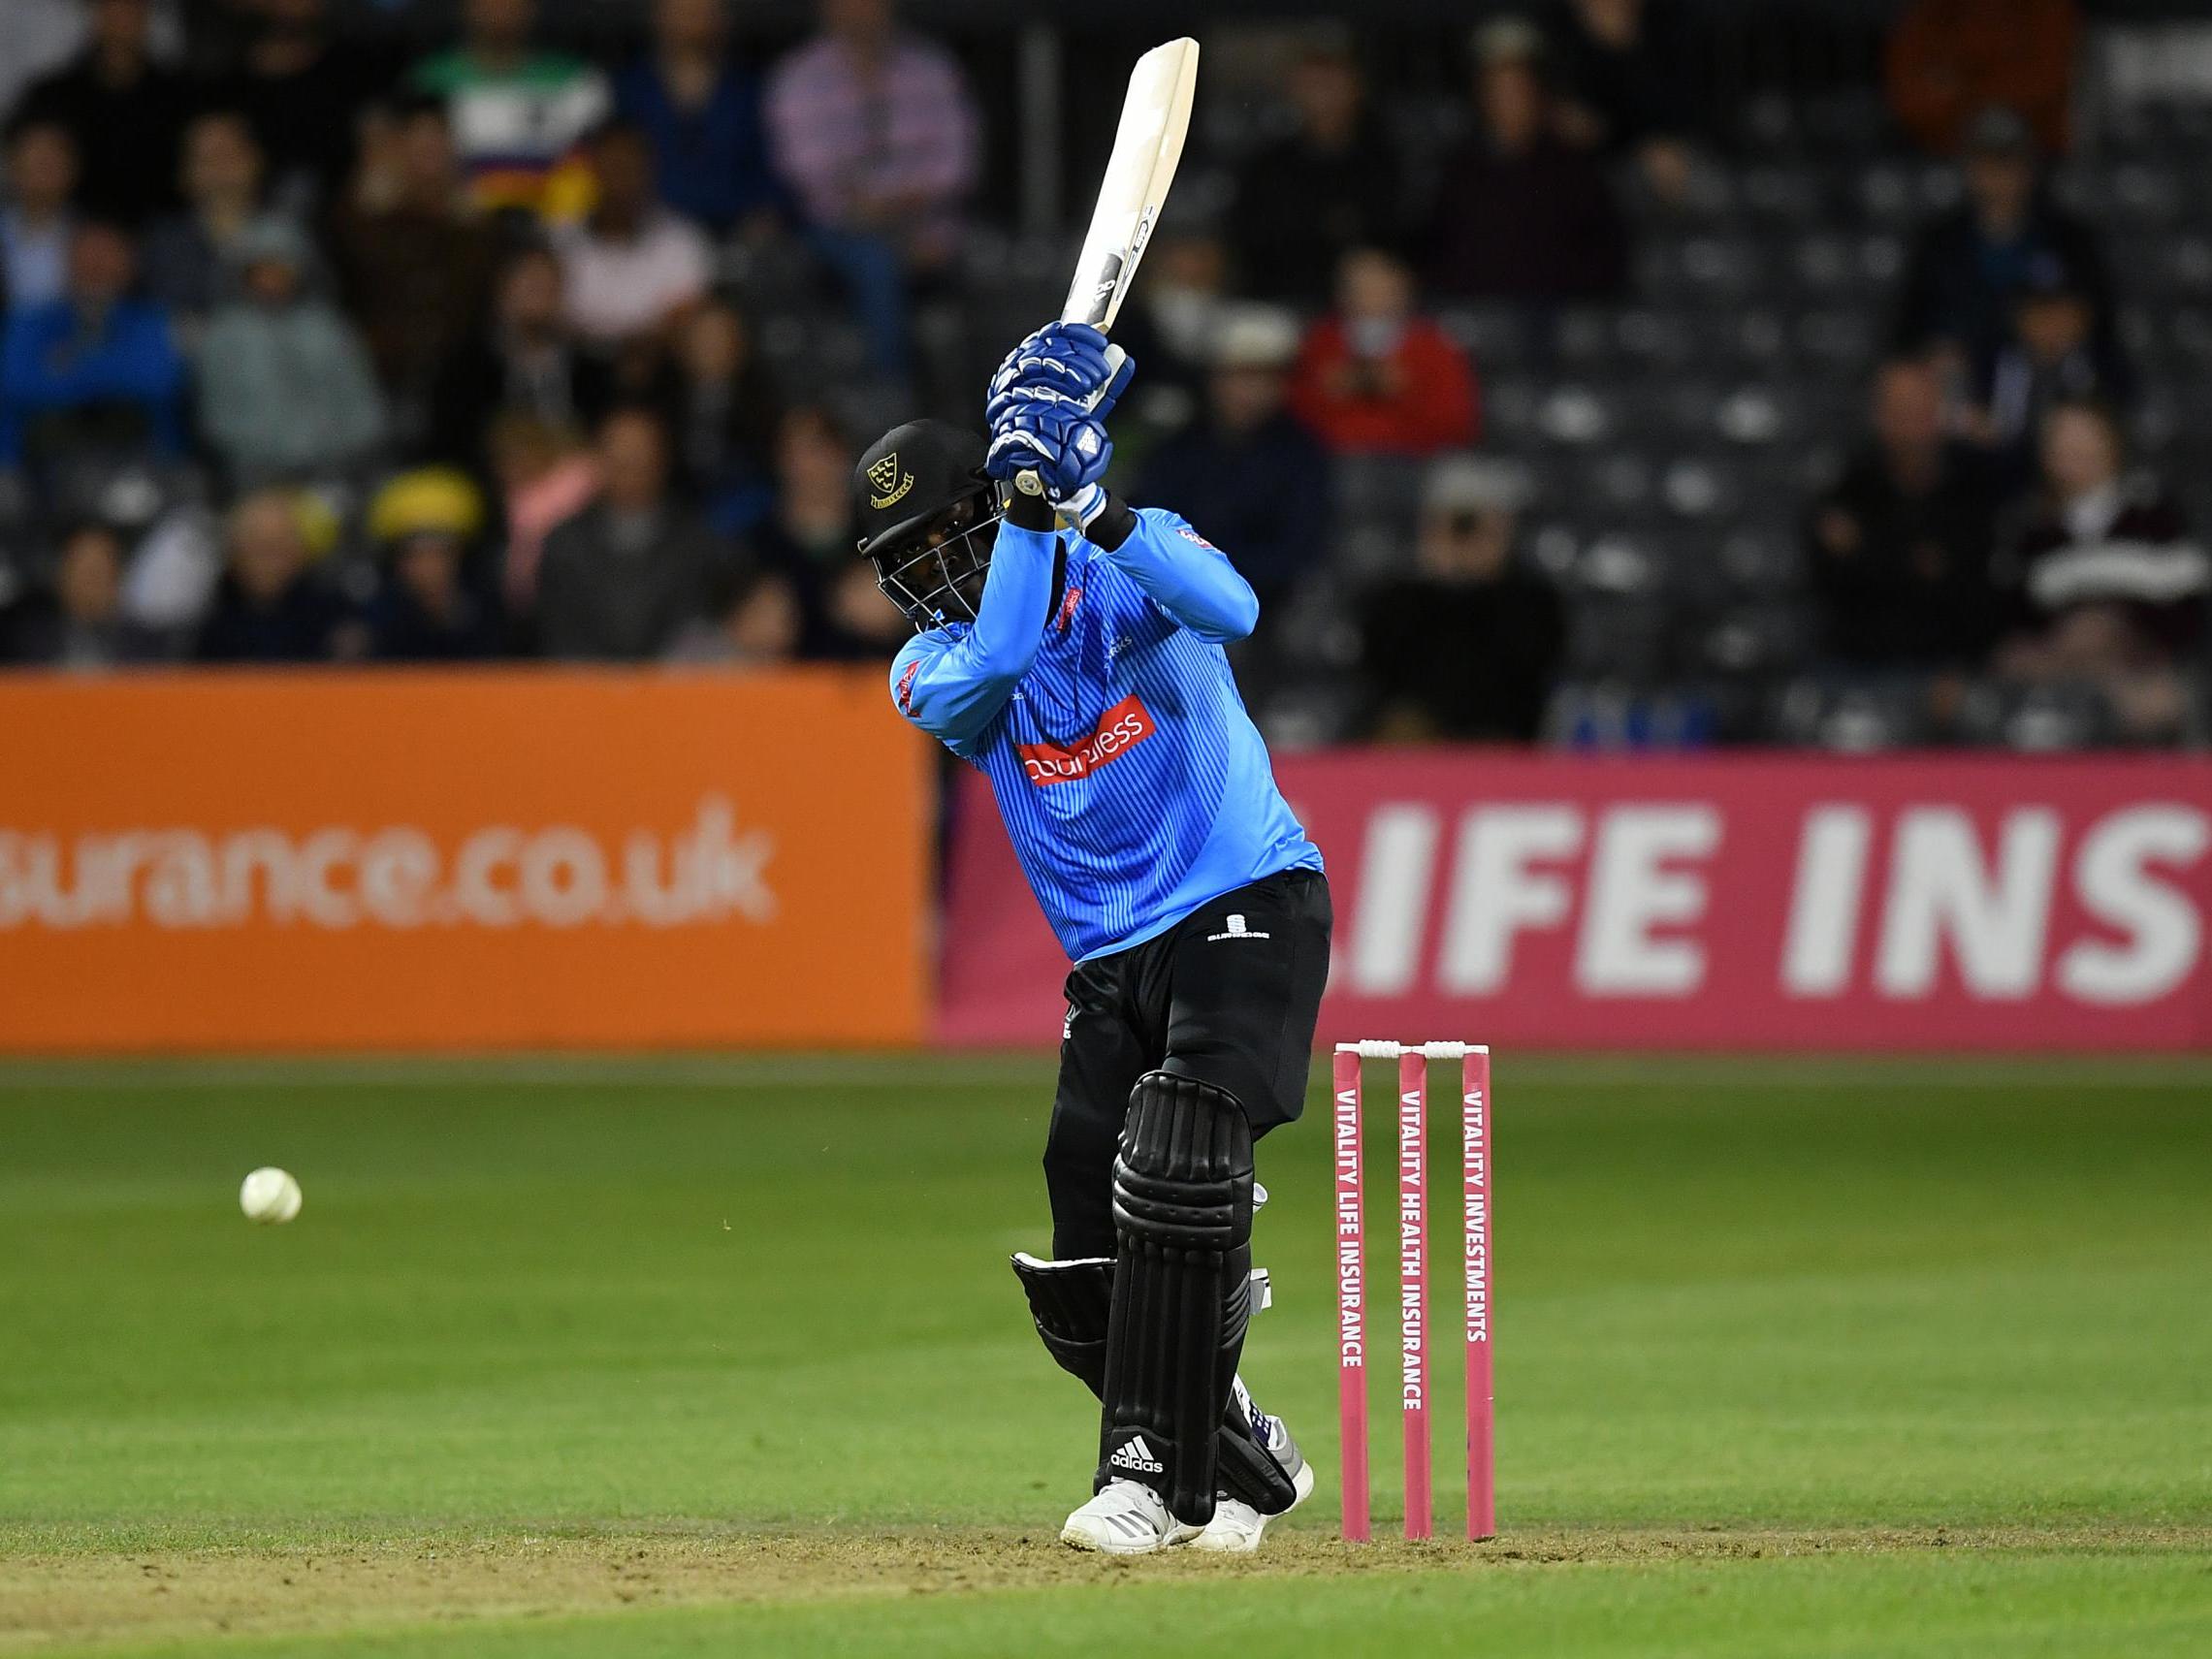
x=929, y=516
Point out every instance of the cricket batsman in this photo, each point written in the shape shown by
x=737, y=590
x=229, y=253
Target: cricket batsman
x=1070, y=647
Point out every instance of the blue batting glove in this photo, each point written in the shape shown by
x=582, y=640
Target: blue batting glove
x=1063, y=363
x=1013, y=453
x=1068, y=452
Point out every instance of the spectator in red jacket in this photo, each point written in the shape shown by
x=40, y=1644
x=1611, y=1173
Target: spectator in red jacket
x=1950, y=59
x=1375, y=376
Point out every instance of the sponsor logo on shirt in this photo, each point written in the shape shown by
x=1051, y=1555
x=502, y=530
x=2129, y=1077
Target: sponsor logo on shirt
x=906, y=685
x=1120, y=729
x=1068, y=608
x=1189, y=534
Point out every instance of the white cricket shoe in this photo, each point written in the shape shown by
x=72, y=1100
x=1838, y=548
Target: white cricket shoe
x=1236, y=1527
x=1126, y=1519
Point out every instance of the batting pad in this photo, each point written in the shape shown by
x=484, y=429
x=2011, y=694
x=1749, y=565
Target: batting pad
x=1072, y=1303
x=1182, y=1211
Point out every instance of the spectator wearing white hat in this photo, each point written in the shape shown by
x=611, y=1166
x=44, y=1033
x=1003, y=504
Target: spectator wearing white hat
x=1246, y=469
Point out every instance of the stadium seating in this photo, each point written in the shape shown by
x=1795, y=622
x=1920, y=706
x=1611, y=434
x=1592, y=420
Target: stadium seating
x=1673, y=443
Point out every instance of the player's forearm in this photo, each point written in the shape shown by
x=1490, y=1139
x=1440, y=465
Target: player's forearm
x=1009, y=621
x=1186, y=577
x=954, y=690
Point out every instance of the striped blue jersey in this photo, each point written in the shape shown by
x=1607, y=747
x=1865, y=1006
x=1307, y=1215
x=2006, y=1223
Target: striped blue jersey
x=1133, y=782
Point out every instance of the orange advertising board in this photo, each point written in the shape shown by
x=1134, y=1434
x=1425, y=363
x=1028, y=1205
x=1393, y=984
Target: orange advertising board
x=460, y=860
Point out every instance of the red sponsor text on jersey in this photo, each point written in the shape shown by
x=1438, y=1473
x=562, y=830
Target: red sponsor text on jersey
x=1120, y=729
x=906, y=685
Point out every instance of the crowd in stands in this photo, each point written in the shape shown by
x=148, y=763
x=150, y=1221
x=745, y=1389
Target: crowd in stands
x=314, y=356
x=319, y=352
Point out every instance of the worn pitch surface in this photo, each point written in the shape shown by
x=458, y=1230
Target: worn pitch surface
x=687, y=1356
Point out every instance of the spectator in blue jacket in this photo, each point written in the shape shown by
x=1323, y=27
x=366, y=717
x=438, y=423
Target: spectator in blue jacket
x=1246, y=470
x=95, y=370
x=700, y=110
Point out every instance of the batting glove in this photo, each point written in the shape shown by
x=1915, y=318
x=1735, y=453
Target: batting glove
x=1068, y=452
x=1066, y=366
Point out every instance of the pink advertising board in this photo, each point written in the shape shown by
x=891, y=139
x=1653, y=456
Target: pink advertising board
x=1734, y=902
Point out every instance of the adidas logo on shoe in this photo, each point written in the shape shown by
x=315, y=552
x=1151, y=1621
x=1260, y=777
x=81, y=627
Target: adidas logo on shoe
x=1135, y=1454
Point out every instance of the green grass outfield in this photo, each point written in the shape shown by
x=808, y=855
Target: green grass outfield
x=700, y=1356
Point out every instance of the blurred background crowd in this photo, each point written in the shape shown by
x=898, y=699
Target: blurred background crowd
x=1616, y=373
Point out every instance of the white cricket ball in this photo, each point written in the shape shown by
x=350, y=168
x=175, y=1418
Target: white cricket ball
x=270, y=1196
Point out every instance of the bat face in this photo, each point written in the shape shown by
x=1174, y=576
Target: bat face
x=1147, y=146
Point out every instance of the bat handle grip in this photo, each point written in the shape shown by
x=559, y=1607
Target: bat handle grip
x=1026, y=481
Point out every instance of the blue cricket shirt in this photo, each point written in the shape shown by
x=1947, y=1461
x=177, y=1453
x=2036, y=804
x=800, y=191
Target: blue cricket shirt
x=1132, y=780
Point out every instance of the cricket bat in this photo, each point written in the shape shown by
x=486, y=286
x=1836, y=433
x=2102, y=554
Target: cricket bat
x=1147, y=146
